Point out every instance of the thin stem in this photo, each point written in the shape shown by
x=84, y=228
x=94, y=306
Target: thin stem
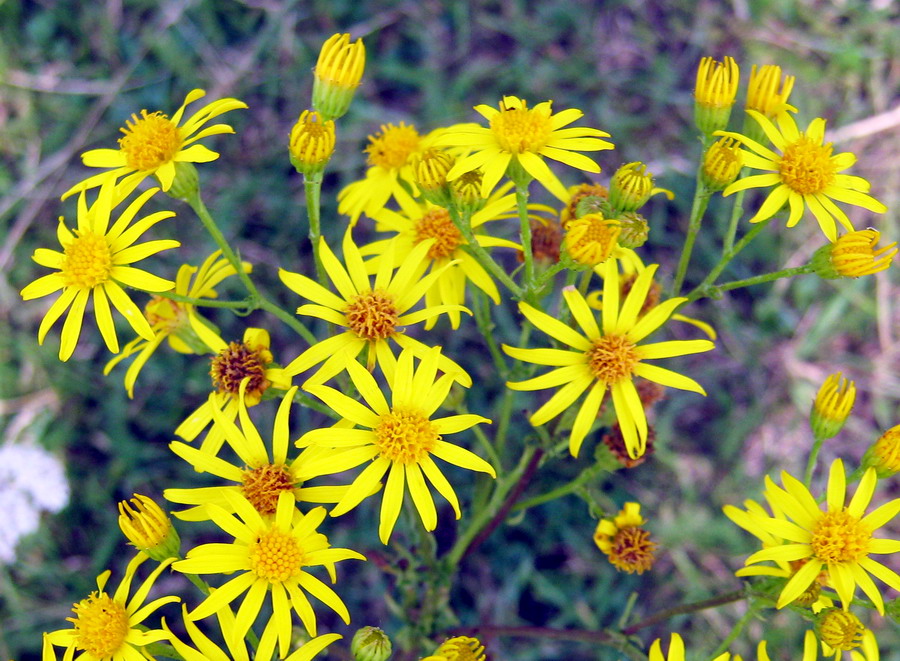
x=313, y=189
x=587, y=475
x=206, y=302
x=486, y=326
x=525, y=233
x=255, y=300
x=682, y=609
x=698, y=208
x=714, y=290
x=811, y=462
x=736, y=629
x=697, y=292
x=736, y=212
x=464, y=226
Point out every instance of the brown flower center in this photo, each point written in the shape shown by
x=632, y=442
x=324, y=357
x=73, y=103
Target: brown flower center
x=236, y=362
x=372, y=315
x=632, y=550
x=612, y=358
x=262, y=486
x=436, y=224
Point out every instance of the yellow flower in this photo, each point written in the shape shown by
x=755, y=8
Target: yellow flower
x=832, y=406
x=337, y=74
x=459, y=648
x=391, y=155
x=714, y=94
x=838, y=540
x=258, y=477
x=269, y=556
x=884, y=454
x=853, y=255
x=676, y=651
x=148, y=528
x=416, y=223
x=763, y=94
x=624, y=542
x=804, y=173
x=399, y=439
x=95, y=262
x=591, y=239
x=110, y=627
x=523, y=137
x=205, y=649
x=177, y=322
x=311, y=144
x=606, y=356
x=153, y=144
x=233, y=363
x=722, y=163
x=839, y=631
x=372, y=314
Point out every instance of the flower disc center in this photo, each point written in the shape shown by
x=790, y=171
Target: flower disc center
x=276, y=556
x=405, y=436
x=149, y=141
x=101, y=625
x=806, y=167
x=436, y=224
x=519, y=130
x=262, y=486
x=372, y=315
x=612, y=358
x=236, y=362
x=392, y=148
x=87, y=262
x=632, y=550
x=840, y=537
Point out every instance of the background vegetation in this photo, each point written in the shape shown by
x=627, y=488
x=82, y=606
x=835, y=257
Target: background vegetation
x=70, y=73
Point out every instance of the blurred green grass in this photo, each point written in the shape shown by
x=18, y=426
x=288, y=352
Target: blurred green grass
x=70, y=73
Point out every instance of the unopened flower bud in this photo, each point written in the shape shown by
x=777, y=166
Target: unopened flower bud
x=148, y=528
x=186, y=183
x=630, y=187
x=634, y=230
x=853, y=255
x=722, y=164
x=832, y=406
x=714, y=95
x=884, y=454
x=767, y=94
x=466, y=192
x=312, y=144
x=337, y=74
x=839, y=629
x=460, y=648
x=578, y=193
x=370, y=644
x=430, y=172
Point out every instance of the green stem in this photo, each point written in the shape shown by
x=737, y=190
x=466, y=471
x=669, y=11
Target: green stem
x=483, y=517
x=698, y=208
x=313, y=188
x=811, y=462
x=206, y=302
x=256, y=300
x=714, y=290
x=525, y=234
x=464, y=226
x=585, y=476
x=736, y=212
x=736, y=629
x=684, y=609
x=486, y=326
x=697, y=292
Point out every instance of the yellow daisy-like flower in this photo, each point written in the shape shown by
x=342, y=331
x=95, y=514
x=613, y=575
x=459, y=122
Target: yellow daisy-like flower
x=204, y=649
x=805, y=174
x=96, y=263
x=458, y=648
x=606, y=356
x=260, y=478
x=676, y=651
x=269, y=556
x=524, y=136
x=624, y=541
x=371, y=313
x=426, y=222
x=763, y=93
x=177, y=322
x=838, y=540
x=234, y=362
x=110, y=627
x=153, y=144
x=399, y=439
x=391, y=155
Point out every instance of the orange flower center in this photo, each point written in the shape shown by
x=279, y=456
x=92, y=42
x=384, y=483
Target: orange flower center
x=806, y=167
x=372, y=315
x=519, y=130
x=88, y=261
x=612, y=358
x=405, y=436
x=236, y=362
x=393, y=147
x=839, y=536
x=262, y=486
x=150, y=141
x=101, y=625
x=276, y=556
x=632, y=550
x=436, y=224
